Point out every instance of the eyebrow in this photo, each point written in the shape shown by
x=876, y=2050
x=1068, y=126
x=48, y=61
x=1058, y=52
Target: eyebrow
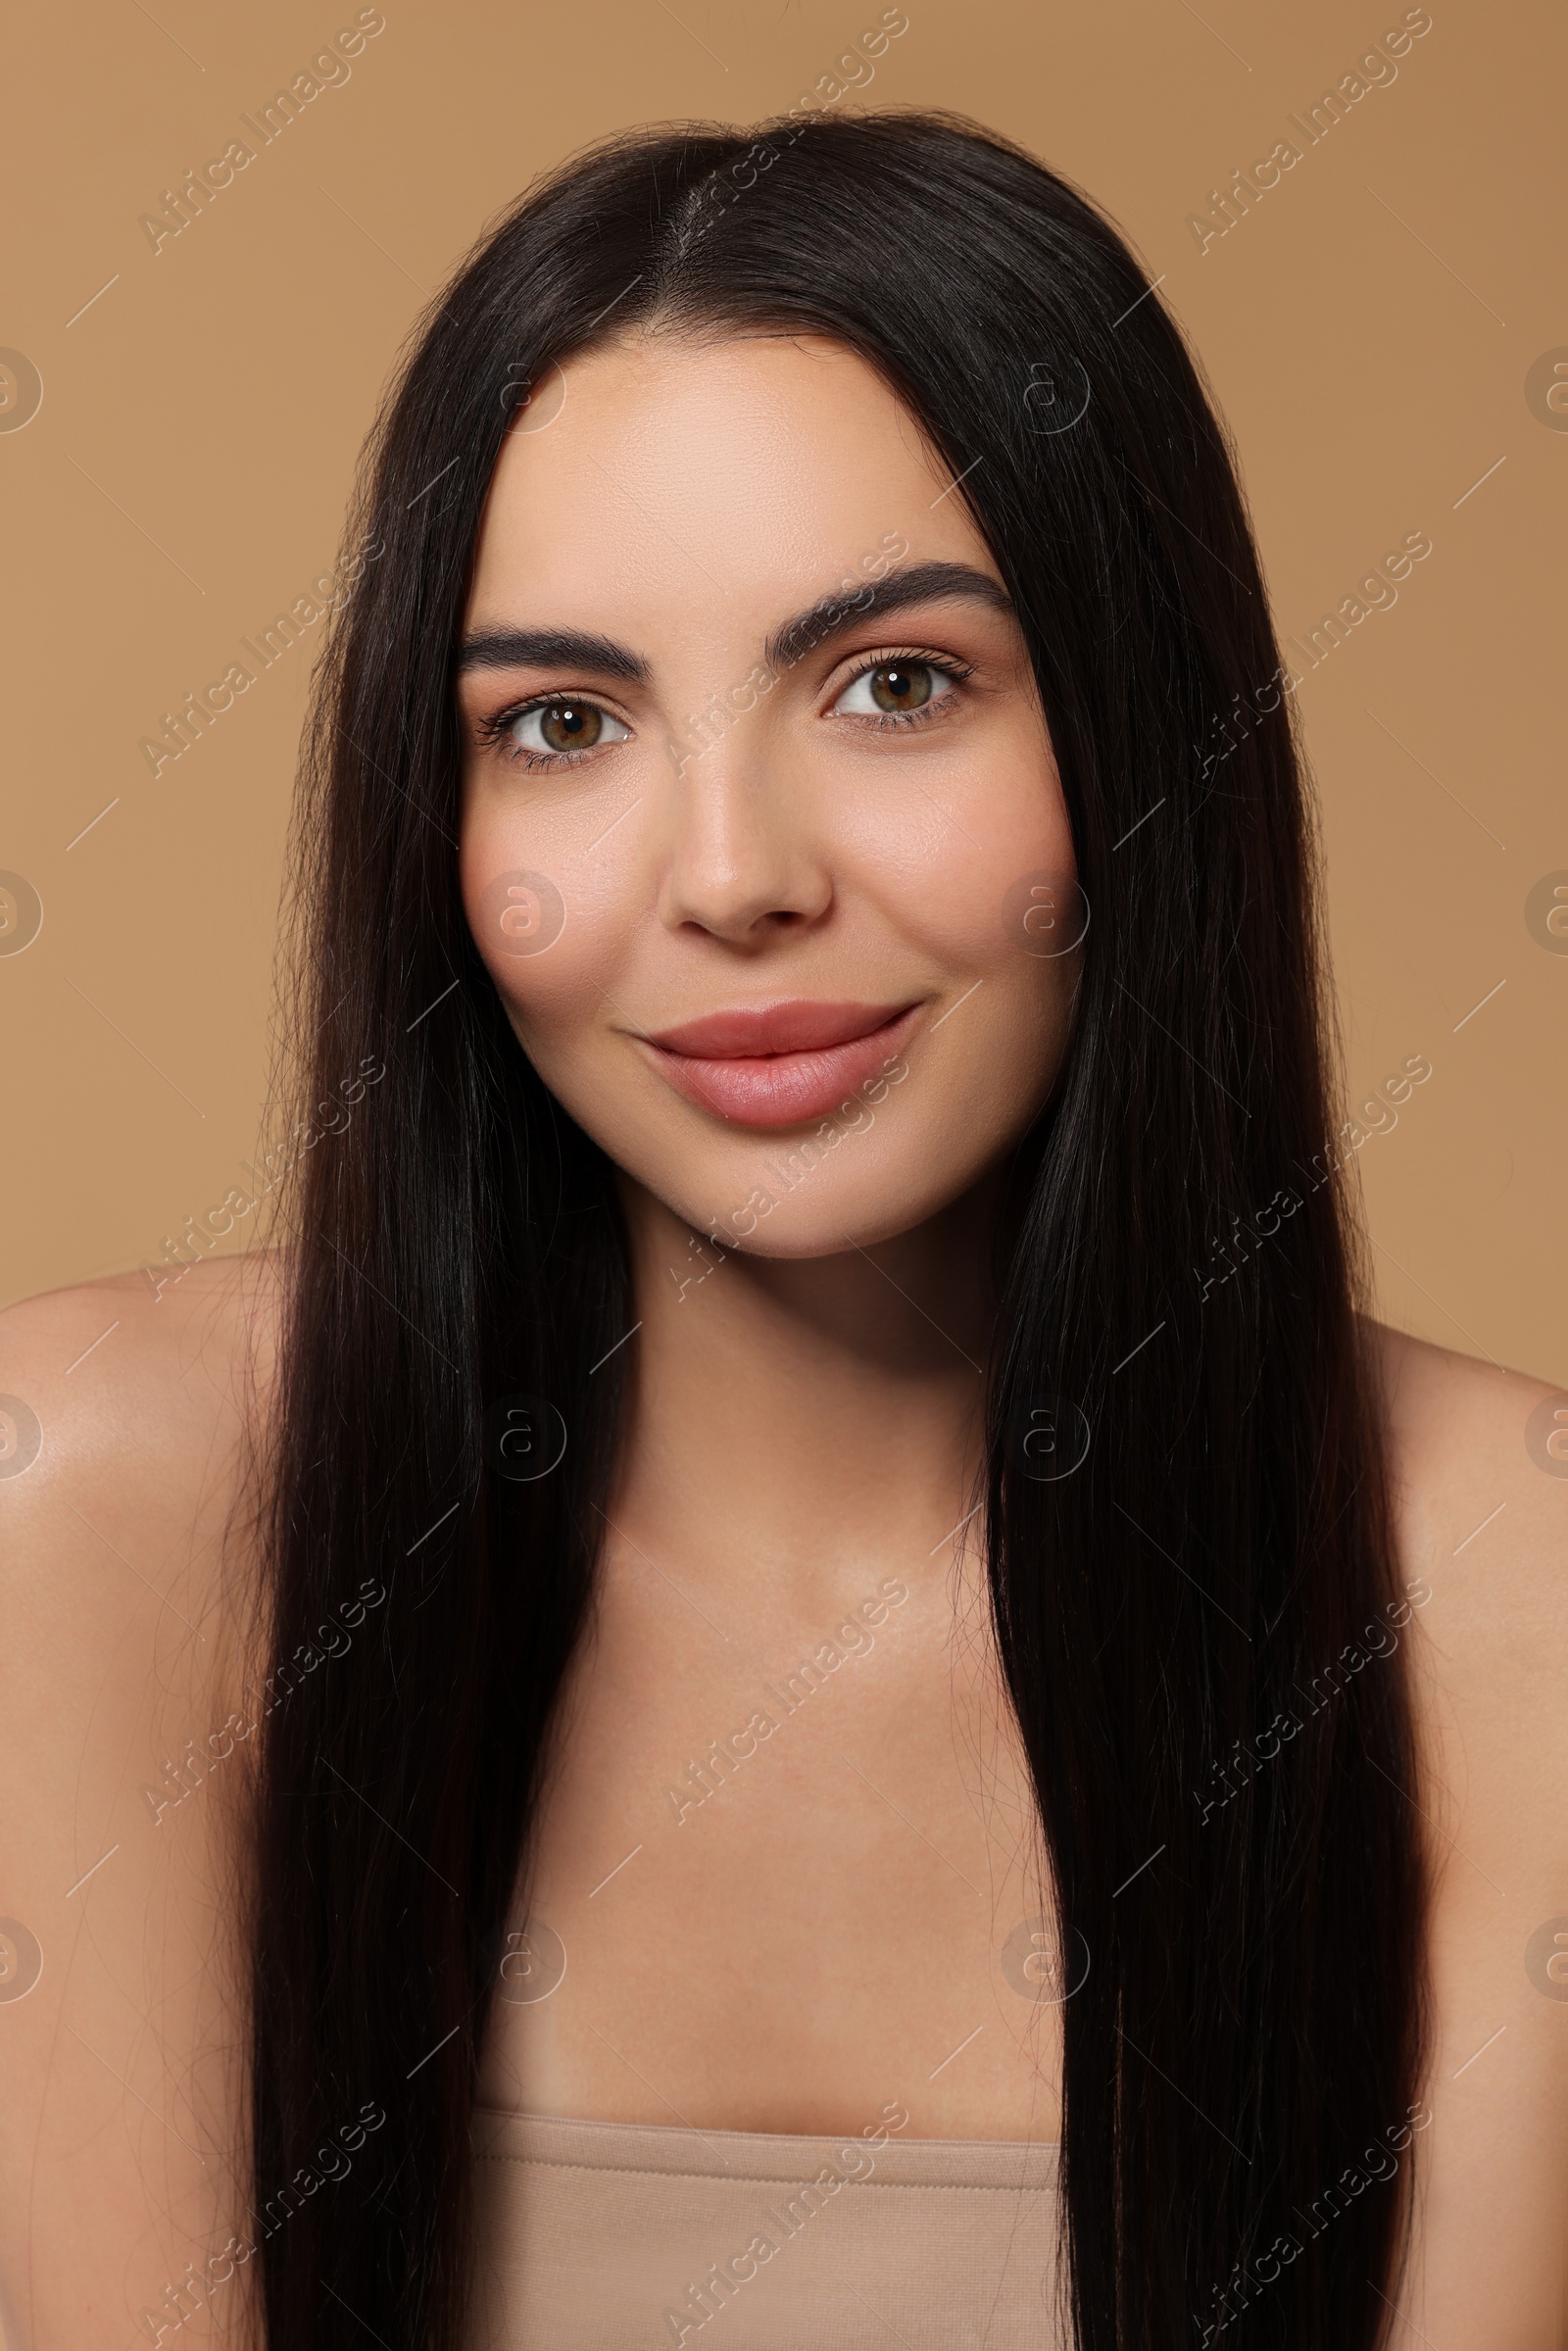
x=922, y=584
x=580, y=648
x=551, y=648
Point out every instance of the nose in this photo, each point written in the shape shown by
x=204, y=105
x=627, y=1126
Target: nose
x=743, y=862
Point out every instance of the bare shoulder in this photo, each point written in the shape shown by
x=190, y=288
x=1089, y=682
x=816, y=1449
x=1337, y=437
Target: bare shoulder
x=1478, y=1456
x=1479, y=1462
x=124, y=1418
x=120, y=1365
x=125, y=1584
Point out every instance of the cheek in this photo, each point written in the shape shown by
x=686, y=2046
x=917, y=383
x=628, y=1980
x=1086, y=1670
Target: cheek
x=963, y=873
x=548, y=924
x=971, y=864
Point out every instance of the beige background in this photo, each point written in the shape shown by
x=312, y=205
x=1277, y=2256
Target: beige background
x=1368, y=330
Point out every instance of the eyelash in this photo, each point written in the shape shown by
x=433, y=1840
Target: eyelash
x=945, y=666
x=493, y=732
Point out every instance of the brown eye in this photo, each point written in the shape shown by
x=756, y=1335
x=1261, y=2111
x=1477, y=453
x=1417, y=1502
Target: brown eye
x=570, y=725
x=893, y=689
x=552, y=729
x=900, y=685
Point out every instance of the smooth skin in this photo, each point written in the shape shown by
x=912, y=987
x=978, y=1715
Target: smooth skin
x=822, y=1931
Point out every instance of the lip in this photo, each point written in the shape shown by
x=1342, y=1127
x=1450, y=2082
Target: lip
x=780, y=1064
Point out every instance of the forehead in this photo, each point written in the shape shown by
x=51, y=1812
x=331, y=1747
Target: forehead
x=686, y=482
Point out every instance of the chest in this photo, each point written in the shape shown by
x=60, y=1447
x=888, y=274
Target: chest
x=785, y=1883
x=782, y=1878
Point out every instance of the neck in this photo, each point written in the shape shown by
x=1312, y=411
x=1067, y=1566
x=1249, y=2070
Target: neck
x=797, y=1417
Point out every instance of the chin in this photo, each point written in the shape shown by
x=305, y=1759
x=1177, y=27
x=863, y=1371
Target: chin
x=824, y=1219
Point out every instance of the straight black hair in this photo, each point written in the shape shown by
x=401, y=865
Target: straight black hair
x=1232, y=1850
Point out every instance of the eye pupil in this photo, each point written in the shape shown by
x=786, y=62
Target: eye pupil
x=570, y=725
x=900, y=685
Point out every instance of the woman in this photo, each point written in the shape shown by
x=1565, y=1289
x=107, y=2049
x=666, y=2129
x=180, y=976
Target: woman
x=815, y=1582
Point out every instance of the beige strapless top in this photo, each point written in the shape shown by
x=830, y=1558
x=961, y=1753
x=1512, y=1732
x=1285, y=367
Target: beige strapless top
x=615, y=2236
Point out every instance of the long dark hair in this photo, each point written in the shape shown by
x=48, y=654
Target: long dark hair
x=1181, y=1297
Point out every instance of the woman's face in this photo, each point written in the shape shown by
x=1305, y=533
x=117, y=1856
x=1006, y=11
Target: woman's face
x=761, y=841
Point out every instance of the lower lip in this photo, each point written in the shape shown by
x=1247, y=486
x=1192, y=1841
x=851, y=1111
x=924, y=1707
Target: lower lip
x=783, y=1090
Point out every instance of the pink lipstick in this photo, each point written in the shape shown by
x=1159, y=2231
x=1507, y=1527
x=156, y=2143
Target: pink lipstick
x=780, y=1064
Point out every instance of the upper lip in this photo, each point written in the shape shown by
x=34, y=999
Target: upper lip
x=800, y=1024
